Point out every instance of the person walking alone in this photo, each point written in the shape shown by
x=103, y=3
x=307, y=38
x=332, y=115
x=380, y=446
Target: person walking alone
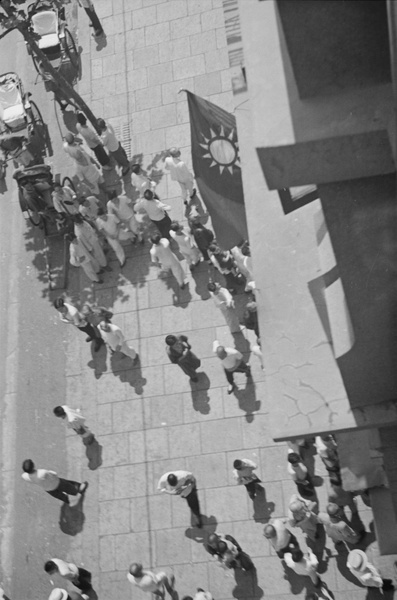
x=179, y=352
x=54, y=485
x=243, y=473
x=232, y=362
x=182, y=483
x=80, y=577
x=74, y=420
x=148, y=581
x=161, y=253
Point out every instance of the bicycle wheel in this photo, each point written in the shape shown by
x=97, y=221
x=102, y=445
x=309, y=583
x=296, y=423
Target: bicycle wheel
x=35, y=114
x=70, y=48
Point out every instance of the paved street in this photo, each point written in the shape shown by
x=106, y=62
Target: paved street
x=148, y=419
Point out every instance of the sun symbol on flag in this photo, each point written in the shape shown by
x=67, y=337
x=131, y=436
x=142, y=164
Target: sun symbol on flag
x=222, y=150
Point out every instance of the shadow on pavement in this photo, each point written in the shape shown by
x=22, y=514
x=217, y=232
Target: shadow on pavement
x=262, y=508
x=98, y=361
x=247, y=401
x=71, y=518
x=94, y=454
x=200, y=395
x=247, y=584
x=201, y=535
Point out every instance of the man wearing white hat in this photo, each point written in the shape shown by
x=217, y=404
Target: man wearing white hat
x=367, y=574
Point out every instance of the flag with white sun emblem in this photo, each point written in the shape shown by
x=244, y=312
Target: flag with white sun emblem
x=217, y=169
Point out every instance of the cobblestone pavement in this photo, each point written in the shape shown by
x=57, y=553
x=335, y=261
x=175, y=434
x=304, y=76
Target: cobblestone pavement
x=150, y=418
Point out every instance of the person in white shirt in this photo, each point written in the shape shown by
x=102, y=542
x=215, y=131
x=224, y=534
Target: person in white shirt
x=80, y=256
x=50, y=482
x=74, y=420
x=365, y=572
x=201, y=595
x=64, y=199
x=186, y=243
x=113, y=145
x=280, y=537
x=69, y=314
x=141, y=182
x=232, y=362
x=85, y=167
x=89, y=238
x=224, y=301
x=156, y=211
x=303, y=564
x=115, y=340
x=111, y=227
x=243, y=473
x=180, y=173
x=161, y=253
x=92, y=140
x=148, y=581
x=182, y=483
x=242, y=256
x=80, y=577
x=122, y=208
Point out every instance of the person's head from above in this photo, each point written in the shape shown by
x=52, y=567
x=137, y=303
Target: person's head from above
x=222, y=547
x=172, y=479
x=59, y=304
x=294, y=458
x=213, y=540
x=101, y=124
x=70, y=237
x=251, y=306
x=174, y=152
x=297, y=555
x=112, y=195
x=269, y=532
x=221, y=352
x=170, y=340
x=334, y=511
x=59, y=412
x=357, y=559
x=136, y=569
x=214, y=249
x=155, y=239
x=69, y=138
x=57, y=186
x=245, y=250
x=136, y=168
x=50, y=567
x=148, y=195
x=104, y=326
x=238, y=464
x=59, y=594
x=28, y=466
x=175, y=226
x=81, y=118
x=327, y=438
x=297, y=508
x=102, y=214
x=213, y=287
x=196, y=224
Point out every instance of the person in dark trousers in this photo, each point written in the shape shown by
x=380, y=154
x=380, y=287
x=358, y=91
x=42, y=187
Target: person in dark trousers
x=179, y=352
x=50, y=482
x=182, y=483
x=93, y=142
x=80, y=577
x=69, y=314
x=228, y=551
x=203, y=238
x=93, y=17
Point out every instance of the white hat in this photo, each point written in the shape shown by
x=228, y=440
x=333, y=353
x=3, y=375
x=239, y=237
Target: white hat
x=58, y=594
x=357, y=560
